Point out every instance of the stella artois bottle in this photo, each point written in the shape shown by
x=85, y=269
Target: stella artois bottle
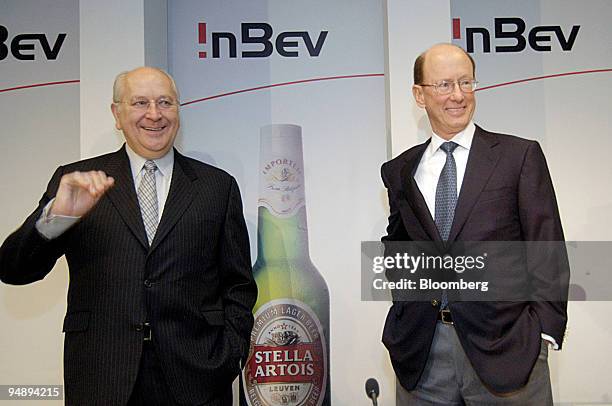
x=288, y=361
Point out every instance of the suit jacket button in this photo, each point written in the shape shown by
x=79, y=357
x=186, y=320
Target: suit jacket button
x=148, y=283
x=435, y=302
x=139, y=326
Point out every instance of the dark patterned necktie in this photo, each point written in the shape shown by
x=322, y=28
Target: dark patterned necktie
x=446, y=198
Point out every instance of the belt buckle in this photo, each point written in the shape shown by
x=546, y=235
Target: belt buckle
x=147, y=332
x=445, y=316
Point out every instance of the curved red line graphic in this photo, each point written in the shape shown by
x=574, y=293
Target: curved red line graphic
x=556, y=75
x=39, y=85
x=252, y=89
x=321, y=79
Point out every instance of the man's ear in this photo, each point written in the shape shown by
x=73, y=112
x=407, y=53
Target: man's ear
x=419, y=97
x=115, y=110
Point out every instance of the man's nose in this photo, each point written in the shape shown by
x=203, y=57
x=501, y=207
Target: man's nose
x=457, y=93
x=153, y=111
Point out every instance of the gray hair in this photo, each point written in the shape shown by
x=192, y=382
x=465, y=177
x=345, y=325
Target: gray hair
x=120, y=79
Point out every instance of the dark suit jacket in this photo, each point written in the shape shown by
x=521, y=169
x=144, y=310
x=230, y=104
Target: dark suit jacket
x=194, y=284
x=506, y=195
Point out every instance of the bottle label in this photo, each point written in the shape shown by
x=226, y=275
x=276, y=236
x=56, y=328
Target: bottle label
x=282, y=187
x=287, y=363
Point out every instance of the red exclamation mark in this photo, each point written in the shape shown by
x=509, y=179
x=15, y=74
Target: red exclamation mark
x=456, y=28
x=202, y=38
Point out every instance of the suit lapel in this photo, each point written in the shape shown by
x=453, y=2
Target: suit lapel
x=482, y=160
x=415, y=198
x=179, y=198
x=123, y=194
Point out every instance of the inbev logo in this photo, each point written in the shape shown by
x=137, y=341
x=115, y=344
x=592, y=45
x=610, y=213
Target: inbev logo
x=540, y=38
x=23, y=45
x=257, y=40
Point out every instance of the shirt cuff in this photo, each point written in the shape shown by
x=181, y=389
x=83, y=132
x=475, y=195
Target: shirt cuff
x=551, y=341
x=52, y=226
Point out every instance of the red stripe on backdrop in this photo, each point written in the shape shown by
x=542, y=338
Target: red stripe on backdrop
x=252, y=89
x=39, y=85
x=322, y=79
x=556, y=75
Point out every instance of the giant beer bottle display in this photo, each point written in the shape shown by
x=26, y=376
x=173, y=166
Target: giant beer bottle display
x=288, y=361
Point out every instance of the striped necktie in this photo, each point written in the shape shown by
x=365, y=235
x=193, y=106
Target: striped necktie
x=147, y=199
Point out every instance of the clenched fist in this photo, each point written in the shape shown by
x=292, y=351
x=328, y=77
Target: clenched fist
x=78, y=192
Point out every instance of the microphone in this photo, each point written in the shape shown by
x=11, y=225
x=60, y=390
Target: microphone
x=372, y=390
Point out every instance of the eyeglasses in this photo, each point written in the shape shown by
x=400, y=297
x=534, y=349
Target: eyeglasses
x=447, y=86
x=144, y=104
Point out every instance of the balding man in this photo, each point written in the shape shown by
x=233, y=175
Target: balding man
x=161, y=288
x=469, y=184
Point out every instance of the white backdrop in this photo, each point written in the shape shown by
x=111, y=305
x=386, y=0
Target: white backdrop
x=569, y=115
x=40, y=130
x=343, y=131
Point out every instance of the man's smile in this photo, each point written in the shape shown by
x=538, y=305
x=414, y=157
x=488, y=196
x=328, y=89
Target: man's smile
x=154, y=129
x=456, y=111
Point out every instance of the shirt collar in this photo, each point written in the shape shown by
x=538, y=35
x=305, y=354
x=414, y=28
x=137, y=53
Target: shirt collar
x=164, y=164
x=463, y=138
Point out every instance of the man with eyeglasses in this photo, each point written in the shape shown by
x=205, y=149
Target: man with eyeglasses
x=469, y=184
x=161, y=289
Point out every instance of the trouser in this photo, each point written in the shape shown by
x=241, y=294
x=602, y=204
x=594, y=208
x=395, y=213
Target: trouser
x=151, y=387
x=449, y=379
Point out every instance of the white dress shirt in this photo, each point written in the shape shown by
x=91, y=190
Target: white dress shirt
x=432, y=162
x=430, y=167
x=52, y=226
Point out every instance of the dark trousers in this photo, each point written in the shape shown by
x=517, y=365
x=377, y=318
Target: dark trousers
x=151, y=388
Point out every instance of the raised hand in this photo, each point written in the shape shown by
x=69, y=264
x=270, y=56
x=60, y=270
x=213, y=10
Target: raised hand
x=78, y=192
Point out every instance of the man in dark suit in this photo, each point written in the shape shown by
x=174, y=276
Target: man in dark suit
x=161, y=288
x=468, y=184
